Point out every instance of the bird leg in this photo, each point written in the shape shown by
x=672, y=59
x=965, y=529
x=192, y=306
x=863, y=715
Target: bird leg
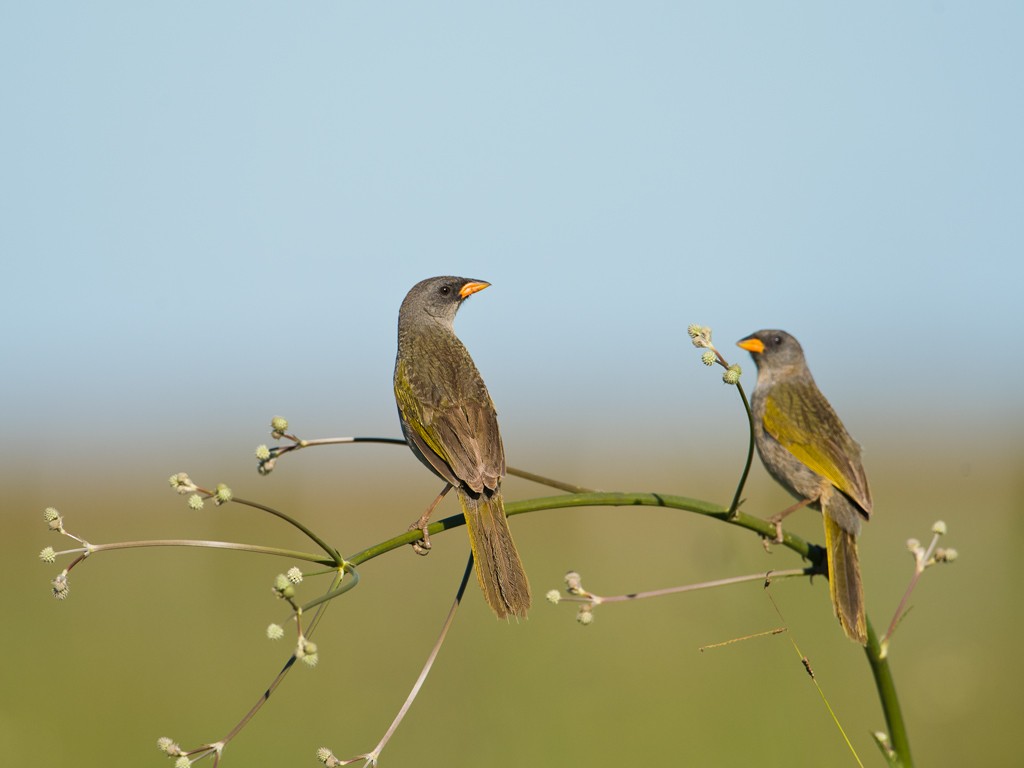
x=776, y=520
x=423, y=547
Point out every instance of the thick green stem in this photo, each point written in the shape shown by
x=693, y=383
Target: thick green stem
x=600, y=499
x=900, y=746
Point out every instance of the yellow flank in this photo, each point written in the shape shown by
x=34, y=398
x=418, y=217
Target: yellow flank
x=413, y=415
x=810, y=449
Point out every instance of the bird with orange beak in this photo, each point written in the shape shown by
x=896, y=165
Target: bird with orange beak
x=450, y=424
x=805, y=447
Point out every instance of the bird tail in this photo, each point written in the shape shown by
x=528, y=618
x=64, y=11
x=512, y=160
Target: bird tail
x=498, y=567
x=844, y=582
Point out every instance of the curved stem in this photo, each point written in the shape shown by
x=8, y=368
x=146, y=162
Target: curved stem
x=336, y=558
x=735, y=505
x=602, y=499
x=333, y=593
x=300, y=444
x=431, y=658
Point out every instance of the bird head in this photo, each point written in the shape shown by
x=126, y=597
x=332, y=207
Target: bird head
x=440, y=297
x=773, y=349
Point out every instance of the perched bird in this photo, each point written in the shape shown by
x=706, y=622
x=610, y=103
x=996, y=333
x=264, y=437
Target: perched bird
x=806, y=448
x=450, y=423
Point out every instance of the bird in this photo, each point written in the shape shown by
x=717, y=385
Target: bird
x=451, y=425
x=807, y=450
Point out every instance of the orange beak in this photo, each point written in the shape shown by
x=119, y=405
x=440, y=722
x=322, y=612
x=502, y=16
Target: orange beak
x=472, y=287
x=751, y=345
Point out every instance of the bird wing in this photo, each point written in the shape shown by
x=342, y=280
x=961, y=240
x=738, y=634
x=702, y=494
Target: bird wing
x=459, y=437
x=803, y=421
x=469, y=431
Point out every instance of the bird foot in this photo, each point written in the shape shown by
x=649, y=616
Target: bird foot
x=421, y=547
x=777, y=522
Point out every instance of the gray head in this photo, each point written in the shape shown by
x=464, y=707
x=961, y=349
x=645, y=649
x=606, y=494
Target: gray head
x=773, y=349
x=438, y=297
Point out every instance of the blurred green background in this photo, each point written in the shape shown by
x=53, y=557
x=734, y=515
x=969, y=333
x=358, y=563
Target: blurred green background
x=209, y=215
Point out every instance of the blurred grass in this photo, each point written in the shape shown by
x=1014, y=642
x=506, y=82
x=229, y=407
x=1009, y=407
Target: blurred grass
x=170, y=642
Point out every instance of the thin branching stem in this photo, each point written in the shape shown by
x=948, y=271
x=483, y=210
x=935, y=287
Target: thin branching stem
x=590, y=597
x=372, y=757
x=720, y=358
x=737, y=497
x=312, y=535
x=550, y=482
x=284, y=670
x=522, y=473
x=921, y=561
x=207, y=544
x=335, y=592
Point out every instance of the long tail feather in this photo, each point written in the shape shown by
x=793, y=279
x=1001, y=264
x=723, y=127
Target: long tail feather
x=844, y=582
x=498, y=567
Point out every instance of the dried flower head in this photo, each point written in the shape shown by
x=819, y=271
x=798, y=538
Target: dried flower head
x=168, y=746
x=325, y=756
x=53, y=519
x=700, y=335
x=222, y=495
x=283, y=587
x=182, y=483
x=60, y=586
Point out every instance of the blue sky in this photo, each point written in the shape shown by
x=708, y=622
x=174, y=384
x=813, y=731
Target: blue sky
x=216, y=209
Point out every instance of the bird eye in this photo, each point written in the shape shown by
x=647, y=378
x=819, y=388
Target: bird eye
x=445, y=290
x=776, y=340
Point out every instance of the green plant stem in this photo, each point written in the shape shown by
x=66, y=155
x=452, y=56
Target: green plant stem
x=600, y=499
x=890, y=701
x=336, y=558
x=735, y=505
x=334, y=592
